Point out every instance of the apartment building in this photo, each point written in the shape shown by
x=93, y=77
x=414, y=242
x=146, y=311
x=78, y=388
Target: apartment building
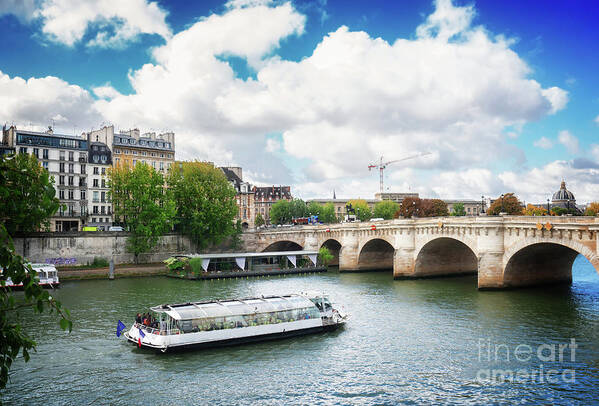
x=99, y=207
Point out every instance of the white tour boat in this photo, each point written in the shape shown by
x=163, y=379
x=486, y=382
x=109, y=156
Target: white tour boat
x=47, y=276
x=230, y=322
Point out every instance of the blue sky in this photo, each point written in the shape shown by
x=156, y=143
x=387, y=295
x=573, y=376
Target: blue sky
x=504, y=95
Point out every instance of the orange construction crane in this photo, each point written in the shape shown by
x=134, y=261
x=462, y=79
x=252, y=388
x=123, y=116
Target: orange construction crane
x=382, y=165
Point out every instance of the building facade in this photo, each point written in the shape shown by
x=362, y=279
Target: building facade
x=130, y=147
x=471, y=207
x=395, y=197
x=266, y=196
x=99, y=208
x=244, y=196
x=65, y=158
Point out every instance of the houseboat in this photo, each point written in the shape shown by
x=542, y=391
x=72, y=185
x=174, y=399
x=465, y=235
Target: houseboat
x=47, y=276
x=229, y=322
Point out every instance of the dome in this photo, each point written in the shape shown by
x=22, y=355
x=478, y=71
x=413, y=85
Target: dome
x=563, y=194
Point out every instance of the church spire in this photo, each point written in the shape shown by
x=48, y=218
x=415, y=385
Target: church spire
x=334, y=196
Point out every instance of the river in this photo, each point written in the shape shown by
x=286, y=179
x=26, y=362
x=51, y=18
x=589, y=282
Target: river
x=421, y=341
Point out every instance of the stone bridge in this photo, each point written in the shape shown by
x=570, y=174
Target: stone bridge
x=505, y=251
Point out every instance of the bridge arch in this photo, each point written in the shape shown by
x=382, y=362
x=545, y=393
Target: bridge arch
x=445, y=256
x=544, y=261
x=376, y=254
x=283, y=245
x=334, y=248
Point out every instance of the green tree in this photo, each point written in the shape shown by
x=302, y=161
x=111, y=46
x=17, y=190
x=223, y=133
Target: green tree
x=327, y=214
x=17, y=174
x=385, y=209
x=507, y=203
x=205, y=202
x=314, y=209
x=141, y=201
x=298, y=208
x=458, y=210
x=259, y=221
x=324, y=256
x=27, y=196
x=362, y=209
x=280, y=212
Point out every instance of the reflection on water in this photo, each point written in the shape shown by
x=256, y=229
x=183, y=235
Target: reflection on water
x=419, y=341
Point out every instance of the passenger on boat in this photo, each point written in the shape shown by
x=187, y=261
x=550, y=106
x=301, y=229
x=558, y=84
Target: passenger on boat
x=138, y=318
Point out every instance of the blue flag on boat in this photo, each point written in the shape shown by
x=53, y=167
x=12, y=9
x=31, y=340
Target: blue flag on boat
x=119, y=328
x=141, y=333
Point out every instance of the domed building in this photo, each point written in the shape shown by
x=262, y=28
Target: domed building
x=564, y=198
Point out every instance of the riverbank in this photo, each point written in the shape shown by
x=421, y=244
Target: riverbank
x=120, y=271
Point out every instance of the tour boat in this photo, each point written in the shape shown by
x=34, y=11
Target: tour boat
x=47, y=276
x=229, y=322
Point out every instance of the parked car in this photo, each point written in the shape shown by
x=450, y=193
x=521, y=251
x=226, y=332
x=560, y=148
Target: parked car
x=116, y=228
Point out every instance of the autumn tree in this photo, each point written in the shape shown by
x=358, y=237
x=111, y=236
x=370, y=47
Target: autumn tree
x=432, y=208
x=362, y=209
x=408, y=207
x=507, y=203
x=532, y=210
x=385, y=209
x=205, y=203
x=142, y=202
x=592, y=209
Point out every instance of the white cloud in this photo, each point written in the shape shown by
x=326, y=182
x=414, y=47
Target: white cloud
x=557, y=97
x=106, y=92
x=24, y=10
x=116, y=22
x=595, y=151
x=597, y=119
x=40, y=100
x=247, y=3
x=272, y=145
x=544, y=143
x=569, y=141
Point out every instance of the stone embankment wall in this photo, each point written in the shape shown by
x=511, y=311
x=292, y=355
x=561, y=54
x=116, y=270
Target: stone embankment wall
x=80, y=248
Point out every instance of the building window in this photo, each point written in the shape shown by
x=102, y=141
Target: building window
x=134, y=152
x=83, y=169
x=45, y=165
x=61, y=167
x=103, y=198
x=71, y=194
x=71, y=168
x=103, y=183
x=103, y=211
x=134, y=162
x=82, y=194
x=22, y=150
x=71, y=180
x=61, y=155
x=95, y=208
x=61, y=194
x=96, y=183
x=103, y=171
x=61, y=180
x=36, y=152
x=161, y=166
x=96, y=170
x=71, y=156
x=153, y=154
x=96, y=194
x=93, y=219
x=45, y=153
x=95, y=159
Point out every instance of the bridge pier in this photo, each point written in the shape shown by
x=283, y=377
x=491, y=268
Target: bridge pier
x=349, y=254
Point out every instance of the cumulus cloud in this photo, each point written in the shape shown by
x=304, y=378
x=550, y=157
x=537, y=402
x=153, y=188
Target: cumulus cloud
x=106, y=91
x=38, y=101
x=114, y=22
x=557, y=97
x=569, y=141
x=544, y=143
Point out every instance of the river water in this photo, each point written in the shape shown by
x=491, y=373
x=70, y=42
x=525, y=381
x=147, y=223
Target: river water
x=421, y=341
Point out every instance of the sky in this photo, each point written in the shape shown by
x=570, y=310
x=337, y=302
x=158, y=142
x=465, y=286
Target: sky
x=500, y=96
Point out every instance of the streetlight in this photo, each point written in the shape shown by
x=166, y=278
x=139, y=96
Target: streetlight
x=548, y=210
x=482, y=204
x=502, y=204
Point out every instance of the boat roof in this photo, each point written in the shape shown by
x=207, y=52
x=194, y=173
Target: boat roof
x=265, y=304
x=250, y=254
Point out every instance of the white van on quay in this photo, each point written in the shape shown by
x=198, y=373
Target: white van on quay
x=116, y=228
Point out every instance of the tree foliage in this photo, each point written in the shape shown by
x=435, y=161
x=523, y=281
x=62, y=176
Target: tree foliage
x=458, y=209
x=324, y=256
x=314, y=209
x=327, y=214
x=385, y=209
x=532, y=210
x=27, y=195
x=259, y=220
x=414, y=206
x=507, y=203
x=298, y=208
x=205, y=202
x=408, y=207
x=16, y=173
x=280, y=212
x=561, y=211
x=142, y=202
x=362, y=209
x=592, y=209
